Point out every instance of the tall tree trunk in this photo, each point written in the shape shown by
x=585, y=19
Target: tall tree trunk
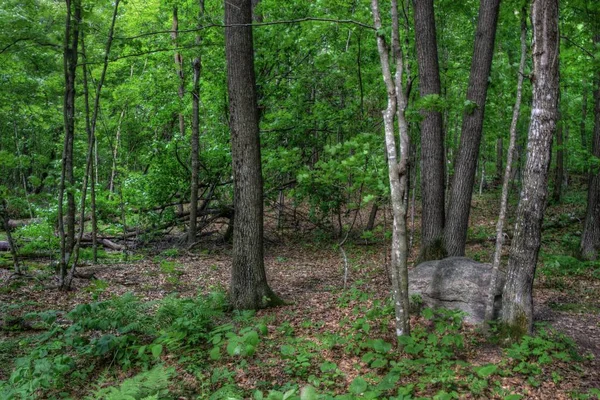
x=397, y=166
x=461, y=190
x=179, y=66
x=249, y=288
x=499, y=158
x=115, y=154
x=4, y=217
x=432, y=135
x=67, y=236
x=195, y=139
x=491, y=298
x=517, y=302
x=91, y=130
x=590, y=239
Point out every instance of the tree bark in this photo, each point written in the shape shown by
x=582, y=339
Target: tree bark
x=517, y=304
x=195, y=139
x=499, y=158
x=590, y=239
x=491, y=298
x=11, y=243
x=249, y=288
x=432, y=135
x=461, y=190
x=67, y=236
x=397, y=166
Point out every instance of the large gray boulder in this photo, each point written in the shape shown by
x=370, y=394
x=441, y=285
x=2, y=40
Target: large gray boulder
x=456, y=283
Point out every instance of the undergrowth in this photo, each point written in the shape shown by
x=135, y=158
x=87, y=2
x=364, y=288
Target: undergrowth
x=189, y=347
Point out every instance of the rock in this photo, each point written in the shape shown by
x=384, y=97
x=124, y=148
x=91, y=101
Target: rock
x=456, y=283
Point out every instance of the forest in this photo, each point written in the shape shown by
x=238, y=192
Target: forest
x=299, y=200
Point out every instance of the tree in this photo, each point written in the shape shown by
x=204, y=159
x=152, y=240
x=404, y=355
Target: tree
x=517, y=301
x=195, y=139
x=67, y=181
x=461, y=189
x=397, y=163
x=249, y=288
x=432, y=135
x=590, y=239
x=489, y=307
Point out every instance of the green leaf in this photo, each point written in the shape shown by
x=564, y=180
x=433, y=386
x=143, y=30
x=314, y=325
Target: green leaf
x=358, y=386
x=251, y=338
x=513, y=397
x=287, y=350
x=308, y=393
x=156, y=350
x=486, y=370
x=215, y=353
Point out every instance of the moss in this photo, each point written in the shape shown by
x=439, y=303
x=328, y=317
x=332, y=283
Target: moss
x=514, y=332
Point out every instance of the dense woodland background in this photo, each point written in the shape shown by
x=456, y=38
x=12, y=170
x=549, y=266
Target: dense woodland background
x=118, y=124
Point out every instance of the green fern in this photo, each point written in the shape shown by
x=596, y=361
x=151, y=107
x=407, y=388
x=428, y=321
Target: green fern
x=148, y=385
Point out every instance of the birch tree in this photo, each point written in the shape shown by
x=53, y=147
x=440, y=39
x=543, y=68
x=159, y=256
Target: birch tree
x=517, y=301
x=397, y=162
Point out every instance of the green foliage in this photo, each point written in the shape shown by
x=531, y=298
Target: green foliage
x=564, y=266
x=37, y=238
x=533, y=352
x=148, y=385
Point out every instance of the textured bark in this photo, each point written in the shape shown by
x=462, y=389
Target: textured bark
x=517, y=306
x=397, y=166
x=11, y=243
x=590, y=240
x=489, y=306
x=195, y=139
x=67, y=236
x=461, y=190
x=249, y=288
x=432, y=135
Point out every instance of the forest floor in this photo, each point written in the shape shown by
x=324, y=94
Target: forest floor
x=308, y=274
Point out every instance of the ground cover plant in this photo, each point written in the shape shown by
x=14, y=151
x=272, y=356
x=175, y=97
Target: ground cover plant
x=227, y=199
x=160, y=327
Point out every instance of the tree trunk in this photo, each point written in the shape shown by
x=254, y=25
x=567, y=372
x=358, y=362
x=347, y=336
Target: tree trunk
x=372, y=216
x=432, y=135
x=11, y=243
x=499, y=158
x=179, y=67
x=517, y=304
x=115, y=154
x=67, y=236
x=195, y=139
x=397, y=166
x=590, y=239
x=461, y=190
x=491, y=298
x=249, y=288
x=91, y=129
